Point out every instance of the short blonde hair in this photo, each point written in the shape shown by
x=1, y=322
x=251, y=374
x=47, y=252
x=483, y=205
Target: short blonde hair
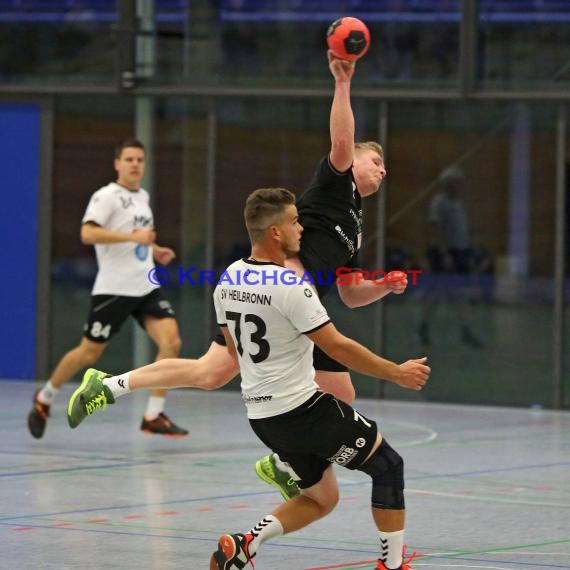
x=264, y=207
x=370, y=145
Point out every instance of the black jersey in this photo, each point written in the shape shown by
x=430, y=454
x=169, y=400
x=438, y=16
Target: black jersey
x=330, y=211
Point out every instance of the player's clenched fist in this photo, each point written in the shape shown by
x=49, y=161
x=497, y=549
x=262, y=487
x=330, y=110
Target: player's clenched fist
x=414, y=373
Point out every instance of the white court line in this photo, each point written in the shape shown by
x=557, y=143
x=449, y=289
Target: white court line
x=498, y=552
x=431, y=434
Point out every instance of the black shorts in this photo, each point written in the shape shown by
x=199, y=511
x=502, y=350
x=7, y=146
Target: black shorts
x=321, y=431
x=108, y=313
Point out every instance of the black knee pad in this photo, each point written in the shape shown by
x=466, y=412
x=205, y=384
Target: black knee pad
x=386, y=467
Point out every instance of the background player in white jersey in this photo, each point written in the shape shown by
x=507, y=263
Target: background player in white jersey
x=270, y=319
x=119, y=223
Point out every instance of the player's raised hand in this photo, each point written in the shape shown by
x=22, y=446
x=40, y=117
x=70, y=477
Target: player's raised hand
x=341, y=69
x=414, y=373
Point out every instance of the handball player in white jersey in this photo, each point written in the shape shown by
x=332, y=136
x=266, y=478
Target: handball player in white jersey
x=270, y=319
x=119, y=223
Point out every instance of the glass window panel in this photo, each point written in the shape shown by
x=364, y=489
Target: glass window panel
x=524, y=44
x=181, y=141
x=283, y=42
x=57, y=41
x=279, y=142
x=85, y=133
x=482, y=310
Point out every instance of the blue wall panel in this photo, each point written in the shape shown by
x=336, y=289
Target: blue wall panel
x=20, y=126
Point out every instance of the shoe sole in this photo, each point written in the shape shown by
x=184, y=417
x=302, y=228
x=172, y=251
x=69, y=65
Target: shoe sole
x=226, y=551
x=37, y=434
x=261, y=474
x=75, y=395
x=171, y=435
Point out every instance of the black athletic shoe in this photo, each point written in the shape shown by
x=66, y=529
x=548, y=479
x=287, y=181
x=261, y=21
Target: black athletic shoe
x=38, y=416
x=233, y=552
x=163, y=425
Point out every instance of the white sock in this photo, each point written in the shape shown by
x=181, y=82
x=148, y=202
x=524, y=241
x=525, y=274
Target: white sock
x=119, y=385
x=154, y=407
x=392, y=547
x=268, y=527
x=48, y=393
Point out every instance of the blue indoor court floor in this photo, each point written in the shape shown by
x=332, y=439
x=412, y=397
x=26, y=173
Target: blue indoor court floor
x=487, y=488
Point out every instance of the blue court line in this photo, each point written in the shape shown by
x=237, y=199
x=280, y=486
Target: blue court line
x=137, y=506
x=238, y=495
x=482, y=471
x=191, y=538
x=281, y=545
x=78, y=469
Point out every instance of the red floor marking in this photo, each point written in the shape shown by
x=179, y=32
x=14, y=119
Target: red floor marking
x=99, y=520
x=203, y=509
x=135, y=517
x=169, y=513
x=25, y=528
x=239, y=507
x=352, y=564
x=62, y=524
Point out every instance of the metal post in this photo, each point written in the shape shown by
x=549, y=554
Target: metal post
x=380, y=255
x=468, y=47
x=210, y=221
x=144, y=131
x=127, y=25
x=559, y=258
x=44, y=238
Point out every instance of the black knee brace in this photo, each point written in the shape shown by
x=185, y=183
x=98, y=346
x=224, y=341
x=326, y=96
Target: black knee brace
x=386, y=468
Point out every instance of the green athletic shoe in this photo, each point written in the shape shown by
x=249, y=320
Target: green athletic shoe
x=267, y=470
x=91, y=396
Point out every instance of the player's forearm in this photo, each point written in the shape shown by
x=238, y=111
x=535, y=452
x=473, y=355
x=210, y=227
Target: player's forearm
x=360, y=359
x=342, y=123
x=362, y=294
x=91, y=235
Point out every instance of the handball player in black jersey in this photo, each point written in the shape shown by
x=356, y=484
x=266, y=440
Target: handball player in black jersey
x=330, y=212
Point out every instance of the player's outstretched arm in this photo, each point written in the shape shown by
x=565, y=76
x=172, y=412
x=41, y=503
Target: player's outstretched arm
x=361, y=289
x=341, y=118
x=412, y=374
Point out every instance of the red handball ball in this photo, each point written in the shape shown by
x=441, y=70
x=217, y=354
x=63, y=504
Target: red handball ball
x=348, y=38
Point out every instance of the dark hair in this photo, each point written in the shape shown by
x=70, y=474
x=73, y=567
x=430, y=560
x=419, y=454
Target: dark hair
x=263, y=208
x=127, y=143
